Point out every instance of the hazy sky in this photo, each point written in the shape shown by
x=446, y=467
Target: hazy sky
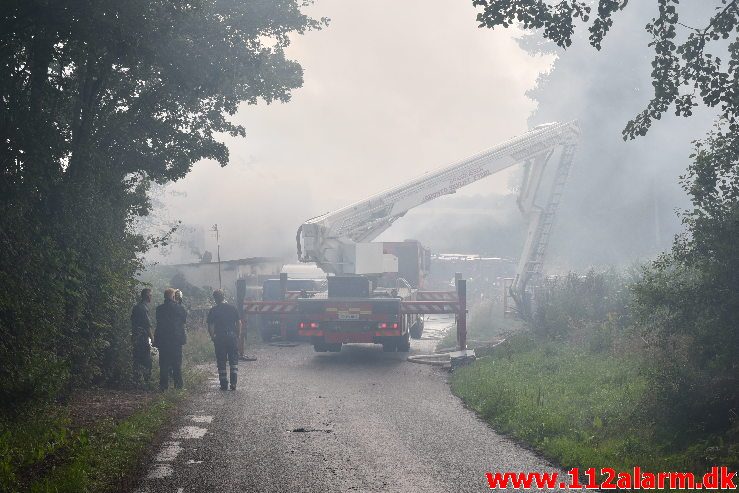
x=392, y=90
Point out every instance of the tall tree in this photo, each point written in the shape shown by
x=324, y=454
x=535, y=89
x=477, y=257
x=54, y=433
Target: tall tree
x=97, y=99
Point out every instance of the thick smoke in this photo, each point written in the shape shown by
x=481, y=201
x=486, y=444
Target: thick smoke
x=621, y=199
x=622, y=196
x=392, y=90
x=378, y=110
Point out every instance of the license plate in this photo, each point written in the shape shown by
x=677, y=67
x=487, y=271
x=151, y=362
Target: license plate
x=348, y=316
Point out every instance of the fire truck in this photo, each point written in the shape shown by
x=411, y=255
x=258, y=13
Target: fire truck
x=368, y=308
x=375, y=290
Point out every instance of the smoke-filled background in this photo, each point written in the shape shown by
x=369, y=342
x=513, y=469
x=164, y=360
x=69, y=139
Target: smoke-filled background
x=388, y=98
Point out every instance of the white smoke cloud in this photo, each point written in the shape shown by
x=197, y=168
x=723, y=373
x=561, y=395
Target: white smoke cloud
x=392, y=90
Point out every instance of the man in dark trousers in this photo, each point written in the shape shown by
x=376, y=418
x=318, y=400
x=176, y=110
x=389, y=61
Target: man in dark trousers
x=224, y=327
x=140, y=338
x=169, y=338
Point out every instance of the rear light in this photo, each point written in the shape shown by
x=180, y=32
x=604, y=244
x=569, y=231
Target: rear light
x=301, y=325
x=383, y=325
x=314, y=325
x=395, y=326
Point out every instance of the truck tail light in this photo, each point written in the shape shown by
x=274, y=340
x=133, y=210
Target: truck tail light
x=314, y=325
x=395, y=326
x=301, y=325
x=382, y=325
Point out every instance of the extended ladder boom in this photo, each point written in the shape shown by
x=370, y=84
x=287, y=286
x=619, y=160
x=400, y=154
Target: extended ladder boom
x=327, y=239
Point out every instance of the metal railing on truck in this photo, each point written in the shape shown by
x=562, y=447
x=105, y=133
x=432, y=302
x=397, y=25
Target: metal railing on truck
x=426, y=303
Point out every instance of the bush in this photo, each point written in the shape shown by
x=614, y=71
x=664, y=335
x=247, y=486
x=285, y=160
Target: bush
x=590, y=310
x=687, y=314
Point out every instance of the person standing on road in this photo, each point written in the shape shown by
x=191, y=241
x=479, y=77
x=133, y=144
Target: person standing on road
x=169, y=339
x=140, y=338
x=224, y=327
x=181, y=330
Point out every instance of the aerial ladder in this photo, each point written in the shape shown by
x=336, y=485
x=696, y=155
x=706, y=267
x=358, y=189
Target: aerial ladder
x=340, y=242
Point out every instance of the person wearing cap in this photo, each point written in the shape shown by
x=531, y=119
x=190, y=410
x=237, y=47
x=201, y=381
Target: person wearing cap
x=224, y=327
x=169, y=339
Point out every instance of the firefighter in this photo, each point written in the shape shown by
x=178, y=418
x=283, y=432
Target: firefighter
x=224, y=327
x=141, y=337
x=169, y=339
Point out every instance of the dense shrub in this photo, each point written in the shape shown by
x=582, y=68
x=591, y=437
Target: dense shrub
x=590, y=309
x=687, y=305
x=675, y=325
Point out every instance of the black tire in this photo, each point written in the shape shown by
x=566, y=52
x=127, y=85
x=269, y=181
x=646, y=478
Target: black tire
x=334, y=348
x=320, y=348
x=404, y=345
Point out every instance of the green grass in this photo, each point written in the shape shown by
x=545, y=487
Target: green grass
x=577, y=407
x=41, y=453
x=199, y=348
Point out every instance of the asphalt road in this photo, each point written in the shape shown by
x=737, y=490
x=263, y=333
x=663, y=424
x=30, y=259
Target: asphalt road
x=358, y=420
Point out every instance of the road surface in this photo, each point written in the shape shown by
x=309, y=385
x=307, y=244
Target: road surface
x=358, y=420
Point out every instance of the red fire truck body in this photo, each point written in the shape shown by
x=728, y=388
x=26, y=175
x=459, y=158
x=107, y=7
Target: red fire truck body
x=329, y=323
x=349, y=313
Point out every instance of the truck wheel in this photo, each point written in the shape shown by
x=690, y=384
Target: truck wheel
x=404, y=345
x=334, y=348
x=417, y=328
x=389, y=346
x=320, y=347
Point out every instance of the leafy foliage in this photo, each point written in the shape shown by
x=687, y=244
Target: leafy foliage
x=593, y=309
x=620, y=371
x=683, y=71
x=687, y=303
x=97, y=99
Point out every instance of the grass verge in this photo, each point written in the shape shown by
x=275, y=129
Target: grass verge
x=43, y=450
x=577, y=407
x=199, y=348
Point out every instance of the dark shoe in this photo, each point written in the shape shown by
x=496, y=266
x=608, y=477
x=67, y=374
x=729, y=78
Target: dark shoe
x=224, y=387
x=233, y=387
